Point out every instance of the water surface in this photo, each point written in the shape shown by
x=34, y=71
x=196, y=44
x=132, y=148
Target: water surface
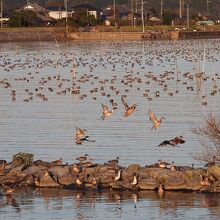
x=46, y=128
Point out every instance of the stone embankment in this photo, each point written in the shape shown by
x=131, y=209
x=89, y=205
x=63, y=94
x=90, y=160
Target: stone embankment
x=88, y=175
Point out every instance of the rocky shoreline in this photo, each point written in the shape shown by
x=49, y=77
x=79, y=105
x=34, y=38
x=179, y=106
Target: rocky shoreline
x=85, y=174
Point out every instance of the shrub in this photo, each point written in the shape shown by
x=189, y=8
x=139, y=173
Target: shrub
x=209, y=136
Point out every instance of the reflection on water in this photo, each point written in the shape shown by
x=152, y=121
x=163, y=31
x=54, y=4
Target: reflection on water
x=68, y=204
x=43, y=117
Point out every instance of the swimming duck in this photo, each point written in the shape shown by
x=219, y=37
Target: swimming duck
x=172, y=142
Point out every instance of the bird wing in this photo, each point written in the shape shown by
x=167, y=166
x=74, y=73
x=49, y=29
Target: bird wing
x=124, y=102
x=79, y=133
x=105, y=108
x=153, y=117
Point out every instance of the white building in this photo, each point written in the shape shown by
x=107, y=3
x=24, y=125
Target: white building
x=57, y=12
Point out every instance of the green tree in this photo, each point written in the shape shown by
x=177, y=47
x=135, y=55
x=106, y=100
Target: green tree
x=82, y=18
x=168, y=17
x=23, y=19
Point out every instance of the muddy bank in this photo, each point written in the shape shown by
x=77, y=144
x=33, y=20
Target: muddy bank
x=24, y=171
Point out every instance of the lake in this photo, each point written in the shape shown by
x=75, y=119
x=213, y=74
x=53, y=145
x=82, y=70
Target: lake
x=39, y=113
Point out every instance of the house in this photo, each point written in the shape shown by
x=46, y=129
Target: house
x=42, y=14
x=207, y=22
x=57, y=12
x=90, y=9
x=121, y=12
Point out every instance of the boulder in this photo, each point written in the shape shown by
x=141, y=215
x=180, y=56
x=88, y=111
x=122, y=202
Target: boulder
x=175, y=183
x=148, y=184
x=45, y=180
x=34, y=170
x=67, y=180
x=134, y=168
x=59, y=171
x=193, y=183
x=195, y=172
x=214, y=170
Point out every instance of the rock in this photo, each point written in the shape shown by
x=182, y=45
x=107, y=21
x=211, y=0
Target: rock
x=134, y=168
x=195, y=172
x=216, y=187
x=15, y=170
x=34, y=170
x=121, y=185
x=193, y=183
x=67, y=180
x=127, y=175
x=214, y=170
x=174, y=183
x=148, y=184
x=45, y=180
x=59, y=171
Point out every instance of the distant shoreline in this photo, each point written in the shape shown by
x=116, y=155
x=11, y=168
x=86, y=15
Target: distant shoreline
x=59, y=33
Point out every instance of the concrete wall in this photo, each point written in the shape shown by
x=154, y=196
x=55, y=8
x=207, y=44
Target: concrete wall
x=50, y=33
x=31, y=34
x=199, y=35
x=118, y=35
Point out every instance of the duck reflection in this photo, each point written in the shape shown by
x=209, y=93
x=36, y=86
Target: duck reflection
x=89, y=203
x=9, y=200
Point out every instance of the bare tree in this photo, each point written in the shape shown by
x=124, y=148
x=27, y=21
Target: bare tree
x=209, y=136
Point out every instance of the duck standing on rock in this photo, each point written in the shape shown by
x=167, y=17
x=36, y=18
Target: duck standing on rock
x=163, y=164
x=82, y=158
x=113, y=162
x=135, y=180
x=118, y=177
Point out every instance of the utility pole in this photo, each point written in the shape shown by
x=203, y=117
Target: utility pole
x=1, y=14
x=207, y=5
x=114, y=12
x=161, y=10
x=66, y=6
x=180, y=9
x=136, y=6
x=132, y=13
x=187, y=11
x=142, y=14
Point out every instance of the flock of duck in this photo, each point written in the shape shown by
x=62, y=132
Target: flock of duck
x=130, y=74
